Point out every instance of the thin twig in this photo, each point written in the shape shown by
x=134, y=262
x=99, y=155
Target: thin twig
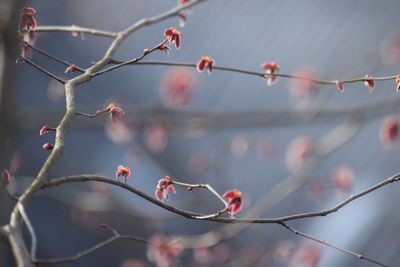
x=259, y=74
x=43, y=70
x=132, y=61
x=206, y=186
x=9, y=195
x=93, y=249
x=30, y=228
x=66, y=63
x=98, y=112
x=359, y=256
x=75, y=28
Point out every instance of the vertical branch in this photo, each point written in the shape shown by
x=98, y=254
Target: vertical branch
x=30, y=228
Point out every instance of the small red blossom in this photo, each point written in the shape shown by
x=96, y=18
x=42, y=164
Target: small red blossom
x=45, y=129
x=164, y=48
x=205, y=63
x=163, y=187
x=303, y=89
x=177, y=87
x=369, y=82
x=163, y=251
x=340, y=86
x=343, y=179
x=183, y=2
x=173, y=36
x=27, y=20
x=235, y=202
x=398, y=83
x=299, y=151
x=270, y=69
x=123, y=171
x=27, y=24
x=308, y=255
x=115, y=112
x=48, y=146
x=5, y=177
x=389, y=131
x=156, y=137
x=71, y=68
x=203, y=255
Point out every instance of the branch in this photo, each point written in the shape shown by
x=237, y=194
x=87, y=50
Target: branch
x=30, y=228
x=197, y=216
x=132, y=61
x=98, y=112
x=359, y=256
x=206, y=186
x=84, y=178
x=52, y=56
x=93, y=249
x=390, y=180
x=260, y=74
x=74, y=28
x=212, y=190
x=43, y=70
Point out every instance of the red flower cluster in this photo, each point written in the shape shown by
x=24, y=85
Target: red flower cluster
x=71, y=68
x=27, y=21
x=369, y=82
x=27, y=24
x=173, y=36
x=163, y=187
x=162, y=251
x=235, y=202
x=45, y=129
x=397, y=83
x=271, y=68
x=299, y=151
x=340, y=86
x=48, y=146
x=205, y=63
x=183, y=2
x=177, y=88
x=164, y=48
x=115, y=112
x=123, y=171
x=343, y=179
x=5, y=177
x=389, y=132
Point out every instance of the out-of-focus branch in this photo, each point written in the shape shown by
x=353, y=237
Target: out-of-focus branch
x=66, y=63
x=55, y=77
x=323, y=242
x=116, y=236
x=74, y=28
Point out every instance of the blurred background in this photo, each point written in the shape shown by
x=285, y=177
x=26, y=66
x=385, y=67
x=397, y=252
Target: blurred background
x=291, y=147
